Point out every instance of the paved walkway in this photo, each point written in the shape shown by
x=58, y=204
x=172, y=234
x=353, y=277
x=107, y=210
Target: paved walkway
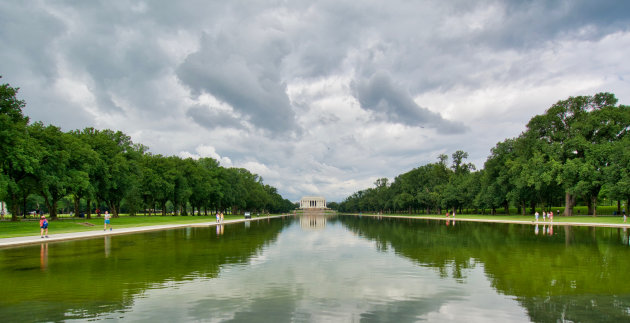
x=18, y=241
x=12, y=242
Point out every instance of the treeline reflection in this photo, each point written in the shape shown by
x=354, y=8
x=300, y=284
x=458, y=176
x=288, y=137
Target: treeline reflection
x=575, y=273
x=85, y=278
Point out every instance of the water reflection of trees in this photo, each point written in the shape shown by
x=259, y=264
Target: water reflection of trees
x=89, y=277
x=578, y=273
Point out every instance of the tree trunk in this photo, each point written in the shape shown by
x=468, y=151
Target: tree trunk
x=88, y=214
x=523, y=208
x=113, y=208
x=24, y=197
x=594, y=205
x=163, y=208
x=568, y=204
x=15, y=207
x=53, y=210
x=77, y=199
x=618, y=207
x=98, y=206
x=506, y=207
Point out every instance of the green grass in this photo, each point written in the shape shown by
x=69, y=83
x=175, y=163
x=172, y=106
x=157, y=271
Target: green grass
x=30, y=227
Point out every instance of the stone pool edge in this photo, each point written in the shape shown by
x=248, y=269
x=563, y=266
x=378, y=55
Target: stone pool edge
x=27, y=240
x=580, y=224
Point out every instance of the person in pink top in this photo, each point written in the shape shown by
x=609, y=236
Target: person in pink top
x=43, y=225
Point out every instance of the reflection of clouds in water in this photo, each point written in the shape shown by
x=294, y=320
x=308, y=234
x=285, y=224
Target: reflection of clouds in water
x=327, y=275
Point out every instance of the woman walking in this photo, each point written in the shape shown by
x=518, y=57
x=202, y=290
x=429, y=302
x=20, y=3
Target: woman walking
x=43, y=226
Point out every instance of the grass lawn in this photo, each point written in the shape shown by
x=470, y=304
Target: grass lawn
x=529, y=218
x=30, y=227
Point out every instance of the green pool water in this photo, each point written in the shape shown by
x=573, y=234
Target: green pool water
x=325, y=269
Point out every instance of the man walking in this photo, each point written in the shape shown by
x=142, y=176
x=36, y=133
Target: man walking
x=107, y=221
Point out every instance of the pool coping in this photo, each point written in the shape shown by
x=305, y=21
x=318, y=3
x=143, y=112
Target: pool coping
x=532, y=222
x=28, y=240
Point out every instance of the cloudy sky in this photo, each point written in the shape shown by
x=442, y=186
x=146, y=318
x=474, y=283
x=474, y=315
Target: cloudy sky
x=317, y=97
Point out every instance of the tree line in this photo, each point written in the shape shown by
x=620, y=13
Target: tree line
x=105, y=167
x=578, y=151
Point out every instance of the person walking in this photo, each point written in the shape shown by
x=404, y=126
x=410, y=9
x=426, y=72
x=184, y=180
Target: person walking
x=43, y=226
x=107, y=222
x=624, y=216
x=536, y=215
x=221, y=217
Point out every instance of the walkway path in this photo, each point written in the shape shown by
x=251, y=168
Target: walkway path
x=11, y=242
x=17, y=241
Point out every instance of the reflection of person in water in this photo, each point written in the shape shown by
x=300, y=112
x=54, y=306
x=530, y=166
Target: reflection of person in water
x=43, y=256
x=220, y=229
x=107, y=245
x=550, y=231
x=536, y=230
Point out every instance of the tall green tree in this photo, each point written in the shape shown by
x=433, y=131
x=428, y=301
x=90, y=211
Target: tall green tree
x=569, y=131
x=20, y=153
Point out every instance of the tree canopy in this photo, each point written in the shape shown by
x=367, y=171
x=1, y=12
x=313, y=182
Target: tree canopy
x=578, y=150
x=105, y=168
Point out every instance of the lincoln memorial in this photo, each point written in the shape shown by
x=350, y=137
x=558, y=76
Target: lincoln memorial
x=312, y=202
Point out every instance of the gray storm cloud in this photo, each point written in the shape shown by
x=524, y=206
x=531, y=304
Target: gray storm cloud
x=244, y=76
x=380, y=95
x=269, y=82
x=210, y=118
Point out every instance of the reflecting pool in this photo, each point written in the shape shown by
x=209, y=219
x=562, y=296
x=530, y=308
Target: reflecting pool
x=316, y=268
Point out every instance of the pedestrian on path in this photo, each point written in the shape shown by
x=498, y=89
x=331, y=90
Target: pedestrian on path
x=536, y=215
x=107, y=221
x=43, y=226
x=624, y=216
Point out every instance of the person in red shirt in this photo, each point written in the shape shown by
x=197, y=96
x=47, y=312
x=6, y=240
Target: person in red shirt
x=43, y=225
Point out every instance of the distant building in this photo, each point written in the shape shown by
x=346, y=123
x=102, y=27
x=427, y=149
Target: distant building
x=312, y=202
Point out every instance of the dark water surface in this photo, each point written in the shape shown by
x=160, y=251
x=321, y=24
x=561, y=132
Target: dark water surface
x=318, y=269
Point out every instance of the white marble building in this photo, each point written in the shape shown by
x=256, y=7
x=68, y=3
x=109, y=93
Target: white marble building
x=312, y=202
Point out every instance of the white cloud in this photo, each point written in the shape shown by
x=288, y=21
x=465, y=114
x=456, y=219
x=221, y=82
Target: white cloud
x=204, y=151
x=317, y=97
